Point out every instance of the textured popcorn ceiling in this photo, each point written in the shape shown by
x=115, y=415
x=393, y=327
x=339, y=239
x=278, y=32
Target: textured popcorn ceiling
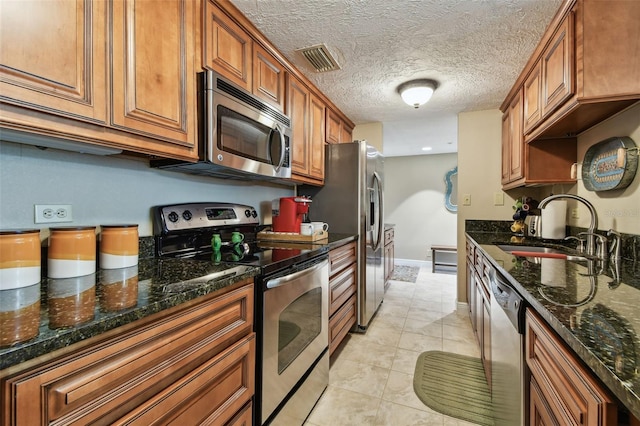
x=475, y=49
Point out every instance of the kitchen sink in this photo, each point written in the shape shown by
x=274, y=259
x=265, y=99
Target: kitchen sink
x=537, y=251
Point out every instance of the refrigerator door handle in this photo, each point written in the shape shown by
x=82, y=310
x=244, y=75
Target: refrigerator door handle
x=380, y=203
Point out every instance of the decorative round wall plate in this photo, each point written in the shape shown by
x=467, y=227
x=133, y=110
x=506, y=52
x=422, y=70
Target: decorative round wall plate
x=603, y=169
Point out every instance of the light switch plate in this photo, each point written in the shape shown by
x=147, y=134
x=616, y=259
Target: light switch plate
x=466, y=199
x=498, y=199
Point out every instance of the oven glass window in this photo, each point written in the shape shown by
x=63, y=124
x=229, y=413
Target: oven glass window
x=247, y=138
x=298, y=325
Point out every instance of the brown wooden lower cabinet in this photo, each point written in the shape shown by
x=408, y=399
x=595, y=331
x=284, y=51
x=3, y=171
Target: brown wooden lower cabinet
x=194, y=365
x=343, y=281
x=563, y=392
x=388, y=255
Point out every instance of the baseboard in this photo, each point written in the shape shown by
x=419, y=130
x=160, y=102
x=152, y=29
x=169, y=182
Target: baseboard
x=462, y=306
x=411, y=262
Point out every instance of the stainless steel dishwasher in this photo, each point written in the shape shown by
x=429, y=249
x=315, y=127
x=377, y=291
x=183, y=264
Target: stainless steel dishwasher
x=508, y=390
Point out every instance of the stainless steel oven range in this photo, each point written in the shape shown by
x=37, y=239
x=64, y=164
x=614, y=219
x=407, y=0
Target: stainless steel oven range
x=291, y=300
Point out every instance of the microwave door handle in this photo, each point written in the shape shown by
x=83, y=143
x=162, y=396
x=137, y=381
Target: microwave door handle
x=282, y=148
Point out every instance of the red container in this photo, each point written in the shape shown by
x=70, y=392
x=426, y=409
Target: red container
x=288, y=213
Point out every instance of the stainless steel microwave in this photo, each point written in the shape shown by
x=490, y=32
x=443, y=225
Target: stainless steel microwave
x=240, y=136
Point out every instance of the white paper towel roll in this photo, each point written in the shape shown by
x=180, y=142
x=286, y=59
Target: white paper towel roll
x=554, y=220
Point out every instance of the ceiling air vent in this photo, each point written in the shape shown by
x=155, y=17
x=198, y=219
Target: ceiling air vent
x=320, y=58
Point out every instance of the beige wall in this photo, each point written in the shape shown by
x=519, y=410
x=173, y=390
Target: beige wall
x=414, y=202
x=479, y=169
x=370, y=132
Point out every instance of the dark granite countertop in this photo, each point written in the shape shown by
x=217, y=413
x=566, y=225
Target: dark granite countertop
x=592, y=305
x=76, y=309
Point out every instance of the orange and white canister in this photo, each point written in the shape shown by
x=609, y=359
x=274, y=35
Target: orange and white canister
x=72, y=252
x=118, y=246
x=20, y=258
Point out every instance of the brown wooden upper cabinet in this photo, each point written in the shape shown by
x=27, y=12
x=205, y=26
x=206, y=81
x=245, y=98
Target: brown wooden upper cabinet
x=45, y=50
x=232, y=52
x=227, y=47
x=75, y=70
x=512, y=147
x=585, y=69
x=307, y=112
x=337, y=131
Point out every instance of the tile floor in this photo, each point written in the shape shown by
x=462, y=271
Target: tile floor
x=371, y=377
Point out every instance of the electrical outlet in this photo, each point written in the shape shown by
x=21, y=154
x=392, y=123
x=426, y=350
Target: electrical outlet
x=53, y=213
x=498, y=199
x=466, y=199
x=575, y=214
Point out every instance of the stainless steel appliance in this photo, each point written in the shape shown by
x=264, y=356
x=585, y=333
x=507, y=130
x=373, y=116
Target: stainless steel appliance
x=241, y=136
x=508, y=390
x=352, y=201
x=291, y=300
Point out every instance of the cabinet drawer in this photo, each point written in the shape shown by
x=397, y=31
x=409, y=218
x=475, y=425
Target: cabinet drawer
x=102, y=383
x=573, y=394
x=341, y=322
x=210, y=394
x=342, y=286
x=342, y=257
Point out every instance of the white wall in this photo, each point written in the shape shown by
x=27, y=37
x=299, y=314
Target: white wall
x=414, y=202
x=104, y=190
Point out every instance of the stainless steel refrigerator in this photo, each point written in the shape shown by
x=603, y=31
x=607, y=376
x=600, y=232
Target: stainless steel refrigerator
x=351, y=201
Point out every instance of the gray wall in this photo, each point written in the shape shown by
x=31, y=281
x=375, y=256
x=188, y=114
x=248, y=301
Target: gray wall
x=107, y=189
x=414, y=202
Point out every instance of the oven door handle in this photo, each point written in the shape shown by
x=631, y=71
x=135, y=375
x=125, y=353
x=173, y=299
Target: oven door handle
x=279, y=282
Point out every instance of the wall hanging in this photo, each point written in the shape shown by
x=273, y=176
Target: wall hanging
x=610, y=164
x=451, y=193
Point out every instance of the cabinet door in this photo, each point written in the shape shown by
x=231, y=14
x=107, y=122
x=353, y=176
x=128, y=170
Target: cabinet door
x=53, y=57
x=154, y=84
x=557, y=68
x=532, y=108
x=334, y=127
x=471, y=295
x=516, y=142
x=227, y=47
x=539, y=412
x=211, y=394
x=506, y=147
x=268, y=77
x=316, y=137
x=574, y=395
x=345, y=134
x=512, y=141
x=298, y=111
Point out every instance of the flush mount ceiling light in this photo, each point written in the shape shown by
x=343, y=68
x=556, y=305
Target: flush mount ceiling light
x=417, y=92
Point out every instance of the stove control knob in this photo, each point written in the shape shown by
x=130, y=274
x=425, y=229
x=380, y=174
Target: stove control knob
x=247, y=213
x=173, y=217
x=254, y=214
x=186, y=215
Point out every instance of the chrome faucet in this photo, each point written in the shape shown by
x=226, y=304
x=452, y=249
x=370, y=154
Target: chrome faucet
x=591, y=233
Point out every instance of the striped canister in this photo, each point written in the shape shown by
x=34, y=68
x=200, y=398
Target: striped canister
x=118, y=246
x=20, y=258
x=72, y=252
